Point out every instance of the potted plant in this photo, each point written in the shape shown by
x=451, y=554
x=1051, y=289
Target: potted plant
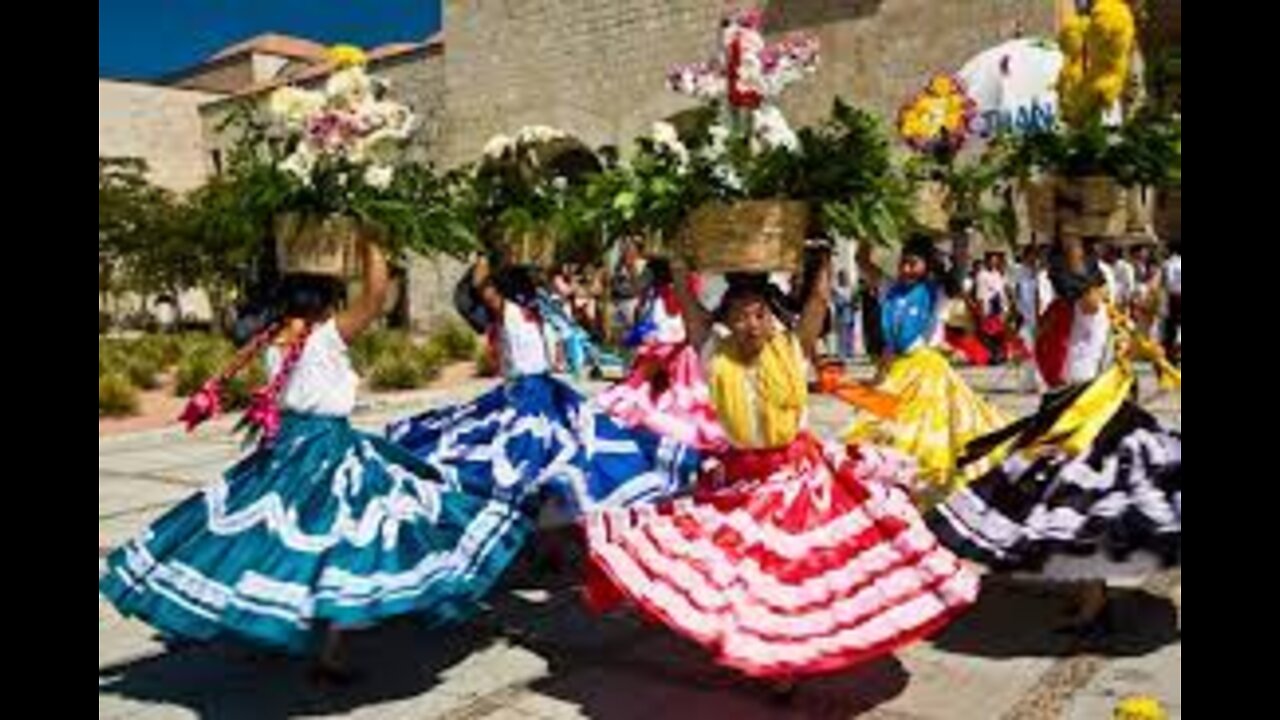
x=327, y=171
x=520, y=191
x=1084, y=164
x=742, y=220
x=958, y=190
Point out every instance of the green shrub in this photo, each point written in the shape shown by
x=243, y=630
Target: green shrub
x=457, y=341
x=396, y=371
x=116, y=395
x=405, y=366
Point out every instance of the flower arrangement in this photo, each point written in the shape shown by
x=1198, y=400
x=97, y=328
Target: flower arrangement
x=746, y=77
x=1146, y=150
x=937, y=120
x=647, y=196
x=953, y=193
x=1100, y=147
x=525, y=190
x=1097, y=49
x=740, y=150
x=346, y=135
x=313, y=164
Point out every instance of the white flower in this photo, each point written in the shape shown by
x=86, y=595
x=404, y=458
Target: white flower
x=701, y=81
x=794, y=60
x=293, y=106
x=664, y=133
x=498, y=146
x=357, y=153
x=349, y=88
x=665, y=136
x=384, y=128
x=719, y=144
x=300, y=164
x=713, y=87
x=332, y=131
x=716, y=152
x=383, y=146
x=390, y=117
x=728, y=177
x=773, y=131
x=560, y=183
x=379, y=176
x=538, y=134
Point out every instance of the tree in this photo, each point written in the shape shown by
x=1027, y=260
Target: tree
x=151, y=242
x=221, y=241
x=133, y=216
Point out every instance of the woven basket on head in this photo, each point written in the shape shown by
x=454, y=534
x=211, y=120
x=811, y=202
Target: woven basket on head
x=1040, y=200
x=1103, y=210
x=1168, y=215
x=748, y=236
x=535, y=248
x=314, y=245
x=931, y=207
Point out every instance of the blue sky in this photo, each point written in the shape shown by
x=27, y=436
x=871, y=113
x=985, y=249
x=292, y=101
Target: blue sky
x=147, y=38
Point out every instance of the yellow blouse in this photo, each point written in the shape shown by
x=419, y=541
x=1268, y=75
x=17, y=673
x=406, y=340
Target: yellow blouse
x=760, y=404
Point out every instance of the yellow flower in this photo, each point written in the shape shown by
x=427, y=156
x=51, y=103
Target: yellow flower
x=1070, y=78
x=347, y=56
x=1115, y=16
x=942, y=86
x=1071, y=39
x=1140, y=708
x=1112, y=26
x=1096, y=50
x=1109, y=88
x=913, y=126
x=942, y=107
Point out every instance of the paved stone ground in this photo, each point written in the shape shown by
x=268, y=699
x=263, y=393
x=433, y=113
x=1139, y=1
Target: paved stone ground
x=537, y=654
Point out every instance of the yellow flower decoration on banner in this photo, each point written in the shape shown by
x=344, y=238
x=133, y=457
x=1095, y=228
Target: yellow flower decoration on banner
x=939, y=117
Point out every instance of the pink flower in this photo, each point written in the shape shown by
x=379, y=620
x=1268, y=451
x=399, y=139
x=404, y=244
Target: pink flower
x=331, y=131
x=770, y=57
x=264, y=413
x=751, y=19
x=203, y=405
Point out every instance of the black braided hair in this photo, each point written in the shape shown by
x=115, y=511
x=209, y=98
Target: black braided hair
x=518, y=283
x=309, y=297
x=754, y=286
x=659, y=271
x=923, y=246
x=1071, y=285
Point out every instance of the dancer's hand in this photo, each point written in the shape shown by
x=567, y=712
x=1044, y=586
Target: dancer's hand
x=376, y=283
x=697, y=321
